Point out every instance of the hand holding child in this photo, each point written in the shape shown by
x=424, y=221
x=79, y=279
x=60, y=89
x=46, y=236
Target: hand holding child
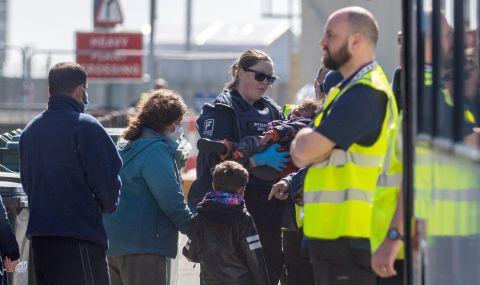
x=9, y=264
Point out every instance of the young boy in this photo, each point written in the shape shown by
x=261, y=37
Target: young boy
x=278, y=131
x=224, y=239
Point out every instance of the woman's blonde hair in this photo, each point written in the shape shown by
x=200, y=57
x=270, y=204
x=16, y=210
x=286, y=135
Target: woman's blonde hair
x=246, y=60
x=159, y=110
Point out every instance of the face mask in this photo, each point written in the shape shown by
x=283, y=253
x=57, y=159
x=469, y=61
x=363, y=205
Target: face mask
x=85, y=99
x=175, y=135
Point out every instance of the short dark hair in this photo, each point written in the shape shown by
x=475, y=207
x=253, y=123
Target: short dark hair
x=229, y=176
x=64, y=77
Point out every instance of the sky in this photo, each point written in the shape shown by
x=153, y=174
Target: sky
x=51, y=24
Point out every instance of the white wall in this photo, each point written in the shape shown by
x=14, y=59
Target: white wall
x=314, y=16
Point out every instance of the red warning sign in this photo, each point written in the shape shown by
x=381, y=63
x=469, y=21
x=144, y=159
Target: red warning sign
x=111, y=55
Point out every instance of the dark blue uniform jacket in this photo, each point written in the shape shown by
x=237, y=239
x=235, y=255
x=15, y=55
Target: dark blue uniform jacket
x=230, y=117
x=69, y=170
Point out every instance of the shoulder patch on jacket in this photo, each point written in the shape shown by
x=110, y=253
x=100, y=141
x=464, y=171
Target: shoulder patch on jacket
x=208, y=126
x=254, y=242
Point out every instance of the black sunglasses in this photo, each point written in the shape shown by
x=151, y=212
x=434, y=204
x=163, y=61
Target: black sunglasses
x=260, y=76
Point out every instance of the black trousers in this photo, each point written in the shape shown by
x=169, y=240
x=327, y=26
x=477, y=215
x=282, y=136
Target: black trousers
x=136, y=269
x=267, y=217
x=341, y=262
x=394, y=280
x=297, y=263
x=61, y=261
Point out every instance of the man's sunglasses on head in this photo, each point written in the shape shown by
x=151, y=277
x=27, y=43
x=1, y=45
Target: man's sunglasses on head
x=260, y=76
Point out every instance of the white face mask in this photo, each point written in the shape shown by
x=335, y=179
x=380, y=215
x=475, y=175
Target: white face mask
x=175, y=135
x=85, y=99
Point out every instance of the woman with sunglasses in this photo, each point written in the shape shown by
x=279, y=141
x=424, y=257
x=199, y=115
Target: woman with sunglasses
x=243, y=110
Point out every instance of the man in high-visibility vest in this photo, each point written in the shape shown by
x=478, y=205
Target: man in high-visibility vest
x=345, y=150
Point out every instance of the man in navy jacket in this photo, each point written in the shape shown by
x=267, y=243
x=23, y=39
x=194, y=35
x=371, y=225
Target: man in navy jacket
x=69, y=169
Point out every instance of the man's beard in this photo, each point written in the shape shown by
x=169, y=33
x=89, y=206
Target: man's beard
x=335, y=61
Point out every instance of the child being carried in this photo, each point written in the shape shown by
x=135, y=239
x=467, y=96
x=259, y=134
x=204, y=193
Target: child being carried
x=280, y=132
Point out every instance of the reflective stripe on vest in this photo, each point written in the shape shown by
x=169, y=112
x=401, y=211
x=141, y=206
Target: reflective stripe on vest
x=393, y=180
x=457, y=196
x=340, y=157
x=454, y=197
x=338, y=196
x=338, y=192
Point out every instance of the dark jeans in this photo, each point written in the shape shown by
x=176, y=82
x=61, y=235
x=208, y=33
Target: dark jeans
x=341, y=262
x=61, y=260
x=395, y=280
x=267, y=218
x=297, y=263
x=138, y=269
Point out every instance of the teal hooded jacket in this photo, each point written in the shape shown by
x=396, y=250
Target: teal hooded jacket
x=152, y=208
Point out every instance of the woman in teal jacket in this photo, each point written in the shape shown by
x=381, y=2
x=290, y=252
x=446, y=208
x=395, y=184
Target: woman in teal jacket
x=144, y=229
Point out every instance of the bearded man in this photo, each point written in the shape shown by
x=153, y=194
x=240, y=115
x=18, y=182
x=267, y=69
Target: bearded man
x=344, y=151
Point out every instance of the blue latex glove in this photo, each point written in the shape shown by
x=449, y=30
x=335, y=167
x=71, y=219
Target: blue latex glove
x=272, y=157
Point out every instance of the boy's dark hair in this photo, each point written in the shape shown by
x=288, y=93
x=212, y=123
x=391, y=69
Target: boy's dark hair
x=64, y=77
x=229, y=176
x=312, y=106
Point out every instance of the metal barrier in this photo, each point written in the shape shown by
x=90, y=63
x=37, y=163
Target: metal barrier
x=9, y=151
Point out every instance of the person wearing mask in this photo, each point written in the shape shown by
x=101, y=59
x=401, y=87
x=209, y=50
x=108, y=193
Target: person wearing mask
x=69, y=170
x=243, y=110
x=143, y=231
x=344, y=151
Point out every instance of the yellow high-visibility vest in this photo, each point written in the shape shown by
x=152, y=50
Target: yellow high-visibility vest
x=339, y=191
x=453, y=197
x=287, y=109
x=446, y=192
x=385, y=198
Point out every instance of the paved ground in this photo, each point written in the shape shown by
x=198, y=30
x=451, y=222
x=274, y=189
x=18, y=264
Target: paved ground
x=183, y=269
